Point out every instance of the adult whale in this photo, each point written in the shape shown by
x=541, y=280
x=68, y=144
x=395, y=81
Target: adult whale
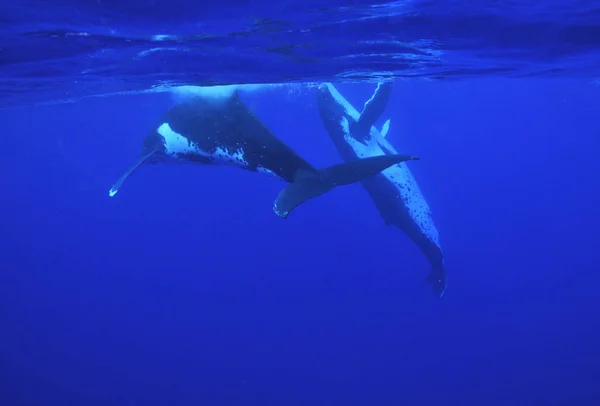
x=222, y=130
x=394, y=191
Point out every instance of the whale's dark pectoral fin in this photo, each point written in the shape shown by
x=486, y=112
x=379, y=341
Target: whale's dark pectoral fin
x=437, y=280
x=115, y=188
x=312, y=184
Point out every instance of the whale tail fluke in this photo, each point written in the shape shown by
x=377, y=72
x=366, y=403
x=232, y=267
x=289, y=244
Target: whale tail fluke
x=310, y=184
x=437, y=279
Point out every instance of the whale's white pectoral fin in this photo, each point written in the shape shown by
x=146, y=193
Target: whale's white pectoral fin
x=385, y=128
x=115, y=188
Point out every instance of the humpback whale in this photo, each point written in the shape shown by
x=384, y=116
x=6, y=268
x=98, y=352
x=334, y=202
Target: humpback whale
x=208, y=130
x=394, y=191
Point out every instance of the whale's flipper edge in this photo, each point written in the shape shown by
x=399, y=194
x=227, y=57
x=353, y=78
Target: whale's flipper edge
x=375, y=106
x=372, y=110
x=308, y=185
x=115, y=188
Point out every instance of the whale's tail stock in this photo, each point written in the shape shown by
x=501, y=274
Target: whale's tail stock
x=310, y=184
x=437, y=278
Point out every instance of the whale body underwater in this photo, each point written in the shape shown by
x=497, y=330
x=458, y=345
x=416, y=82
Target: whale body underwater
x=394, y=191
x=209, y=131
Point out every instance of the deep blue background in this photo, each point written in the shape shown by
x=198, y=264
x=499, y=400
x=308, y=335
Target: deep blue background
x=186, y=289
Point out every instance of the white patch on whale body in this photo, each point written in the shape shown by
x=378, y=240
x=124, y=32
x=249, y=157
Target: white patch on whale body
x=235, y=157
x=399, y=175
x=345, y=125
x=176, y=144
x=408, y=190
x=412, y=197
x=267, y=171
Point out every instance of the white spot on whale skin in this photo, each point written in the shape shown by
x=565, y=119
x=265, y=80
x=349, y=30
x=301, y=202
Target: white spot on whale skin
x=345, y=126
x=267, y=171
x=235, y=157
x=176, y=143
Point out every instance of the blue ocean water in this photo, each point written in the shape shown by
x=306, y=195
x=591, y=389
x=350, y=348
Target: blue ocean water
x=186, y=289
x=67, y=49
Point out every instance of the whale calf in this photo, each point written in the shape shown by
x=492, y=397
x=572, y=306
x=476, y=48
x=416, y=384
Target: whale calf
x=208, y=130
x=394, y=191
